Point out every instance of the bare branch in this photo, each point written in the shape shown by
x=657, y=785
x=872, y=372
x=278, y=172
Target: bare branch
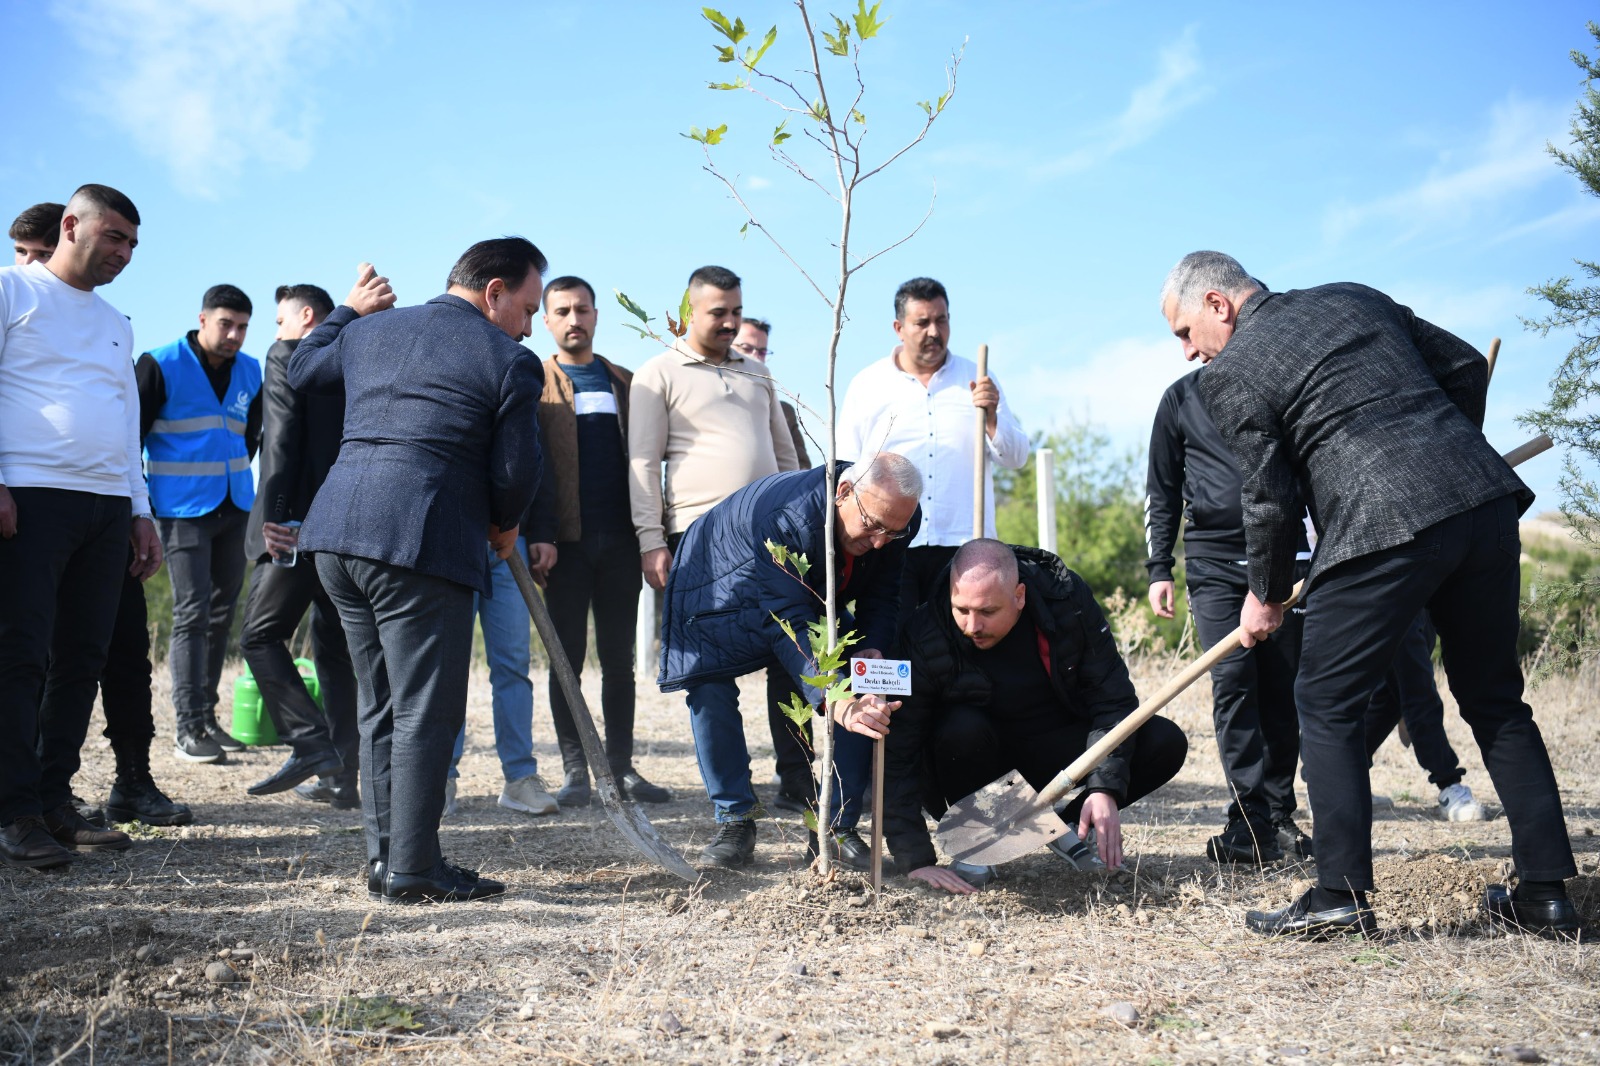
x=733, y=191
x=950, y=92
x=793, y=164
x=915, y=230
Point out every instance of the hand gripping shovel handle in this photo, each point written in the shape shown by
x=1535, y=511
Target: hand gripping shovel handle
x=1084, y=764
x=634, y=825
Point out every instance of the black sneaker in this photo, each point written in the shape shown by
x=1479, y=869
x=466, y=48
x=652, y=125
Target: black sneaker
x=635, y=787
x=197, y=745
x=733, y=846
x=575, y=790
x=1292, y=840
x=136, y=798
x=224, y=739
x=790, y=801
x=1243, y=841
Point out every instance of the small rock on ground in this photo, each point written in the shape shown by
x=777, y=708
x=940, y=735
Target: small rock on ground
x=940, y=1030
x=220, y=973
x=1125, y=1014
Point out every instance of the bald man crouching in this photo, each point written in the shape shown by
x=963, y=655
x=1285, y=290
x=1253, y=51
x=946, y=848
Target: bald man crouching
x=1013, y=667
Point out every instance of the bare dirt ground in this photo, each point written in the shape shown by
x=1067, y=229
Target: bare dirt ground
x=594, y=956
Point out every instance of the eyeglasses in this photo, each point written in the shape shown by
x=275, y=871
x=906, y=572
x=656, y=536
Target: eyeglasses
x=750, y=349
x=872, y=527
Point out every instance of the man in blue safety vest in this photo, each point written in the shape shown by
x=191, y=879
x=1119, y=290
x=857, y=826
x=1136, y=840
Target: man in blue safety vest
x=200, y=416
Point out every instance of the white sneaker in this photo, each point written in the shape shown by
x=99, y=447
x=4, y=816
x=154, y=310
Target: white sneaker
x=1078, y=854
x=449, y=798
x=1457, y=805
x=528, y=795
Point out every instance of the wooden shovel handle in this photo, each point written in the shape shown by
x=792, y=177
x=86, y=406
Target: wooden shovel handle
x=1494, y=354
x=980, y=483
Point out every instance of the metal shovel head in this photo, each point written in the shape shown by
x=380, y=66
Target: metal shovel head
x=1003, y=820
x=633, y=824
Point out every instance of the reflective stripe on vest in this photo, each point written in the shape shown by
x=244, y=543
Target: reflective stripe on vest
x=196, y=454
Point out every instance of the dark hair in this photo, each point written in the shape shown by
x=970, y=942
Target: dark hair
x=917, y=289
x=506, y=258
x=566, y=283
x=226, y=298
x=41, y=222
x=108, y=199
x=312, y=296
x=759, y=323
x=716, y=277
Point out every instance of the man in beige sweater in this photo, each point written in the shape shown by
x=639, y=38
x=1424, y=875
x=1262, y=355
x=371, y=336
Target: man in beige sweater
x=711, y=414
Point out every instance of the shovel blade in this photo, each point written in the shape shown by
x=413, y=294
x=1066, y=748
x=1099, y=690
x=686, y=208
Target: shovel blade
x=1003, y=820
x=633, y=824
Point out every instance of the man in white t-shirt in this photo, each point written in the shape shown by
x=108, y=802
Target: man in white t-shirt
x=72, y=498
x=918, y=402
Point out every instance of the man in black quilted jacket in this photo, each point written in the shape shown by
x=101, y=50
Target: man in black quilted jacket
x=1341, y=397
x=1013, y=667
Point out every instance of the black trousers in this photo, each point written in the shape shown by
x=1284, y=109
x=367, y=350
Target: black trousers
x=205, y=560
x=1408, y=693
x=791, y=744
x=60, y=578
x=599, y=573
x=410, y=640
x=125, y=679
x=1252, y=694
x=279, y=597
x=971, y=749
x=1464, y=570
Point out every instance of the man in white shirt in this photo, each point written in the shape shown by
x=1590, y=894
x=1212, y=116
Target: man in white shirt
x=72, y=498
x=918, y=403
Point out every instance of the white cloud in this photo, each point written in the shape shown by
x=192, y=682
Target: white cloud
x=208, y=87
x=1467, y=186
x=756, y=183
x=1116, y=386
x=1175, y=88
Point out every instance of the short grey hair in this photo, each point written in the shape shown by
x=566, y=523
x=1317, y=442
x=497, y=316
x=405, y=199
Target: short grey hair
x=890, y=474
x=1201, y=272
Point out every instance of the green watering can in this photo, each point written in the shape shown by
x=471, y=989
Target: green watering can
x=251, y=723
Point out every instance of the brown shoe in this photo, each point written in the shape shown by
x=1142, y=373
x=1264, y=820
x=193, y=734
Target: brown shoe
x=72, y=830
x=25, y=843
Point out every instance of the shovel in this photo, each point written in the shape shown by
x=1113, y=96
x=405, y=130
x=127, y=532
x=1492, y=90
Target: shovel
x=625, y=813
x=1007, y=819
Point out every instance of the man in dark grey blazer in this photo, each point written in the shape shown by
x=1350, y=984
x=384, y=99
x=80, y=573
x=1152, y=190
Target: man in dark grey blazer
x=1374, y=415
x=300, y=434
x=441, y=449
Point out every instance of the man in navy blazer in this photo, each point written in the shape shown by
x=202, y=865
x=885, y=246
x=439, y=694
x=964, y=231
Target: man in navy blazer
x=440, y=450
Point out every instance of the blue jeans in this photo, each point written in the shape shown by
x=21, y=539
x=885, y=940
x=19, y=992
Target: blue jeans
x=506, y=643
x=725, y=760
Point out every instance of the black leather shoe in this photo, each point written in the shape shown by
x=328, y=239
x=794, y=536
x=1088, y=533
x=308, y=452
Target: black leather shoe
x=135, y=797
x=25, y=843
x=72, y=831
x=1244, y=841
x=733, y=846
x=91, y=813
x=375, y=871
x=1299, y=920
x=299, y=768
x=635, y=787
x=1555, y=919
x=338, y=792
x=445, y=883
x=223, y=738
x=791, y=802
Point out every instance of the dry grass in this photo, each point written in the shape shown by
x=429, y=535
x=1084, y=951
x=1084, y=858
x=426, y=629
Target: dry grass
x=595, y=957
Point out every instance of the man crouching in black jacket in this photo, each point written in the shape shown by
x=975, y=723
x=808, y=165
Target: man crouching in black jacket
x=1013, y=667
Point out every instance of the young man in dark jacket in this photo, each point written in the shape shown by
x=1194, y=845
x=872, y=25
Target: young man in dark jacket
x=1013, y=667
x=731, y=609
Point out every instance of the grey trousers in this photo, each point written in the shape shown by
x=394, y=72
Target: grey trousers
x=205, y=559
x=410, y=638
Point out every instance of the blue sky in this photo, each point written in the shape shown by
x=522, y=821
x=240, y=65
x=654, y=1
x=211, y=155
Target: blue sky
x=1088, y=146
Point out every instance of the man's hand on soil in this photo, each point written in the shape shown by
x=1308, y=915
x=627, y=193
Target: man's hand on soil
x=939, y=877
x=1100, y=814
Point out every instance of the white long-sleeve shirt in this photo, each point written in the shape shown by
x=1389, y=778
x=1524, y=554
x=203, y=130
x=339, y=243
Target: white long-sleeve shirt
x=69, y=406
x=886, y=409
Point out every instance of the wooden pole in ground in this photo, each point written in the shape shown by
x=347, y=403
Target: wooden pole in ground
x=980, y=483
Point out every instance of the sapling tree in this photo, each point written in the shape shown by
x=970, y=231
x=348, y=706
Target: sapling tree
x=1572, y=417
x=820, y=138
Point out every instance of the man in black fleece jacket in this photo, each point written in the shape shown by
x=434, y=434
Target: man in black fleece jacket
x=1013, y=667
